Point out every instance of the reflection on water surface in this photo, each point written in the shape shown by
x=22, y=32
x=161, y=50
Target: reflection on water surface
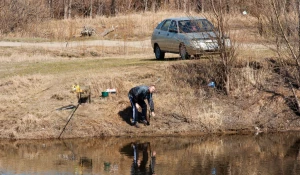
x=217, y=155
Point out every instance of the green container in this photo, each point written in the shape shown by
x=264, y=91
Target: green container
x=104, y=94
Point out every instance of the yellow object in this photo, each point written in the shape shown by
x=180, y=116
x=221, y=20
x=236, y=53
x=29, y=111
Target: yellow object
x=76, y=88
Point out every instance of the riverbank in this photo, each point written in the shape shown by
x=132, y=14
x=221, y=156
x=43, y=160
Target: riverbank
x=36, y=80
x=34, y=87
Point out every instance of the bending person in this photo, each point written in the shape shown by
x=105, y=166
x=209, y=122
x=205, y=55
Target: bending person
x=137, y=96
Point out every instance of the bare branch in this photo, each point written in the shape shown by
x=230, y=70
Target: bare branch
x=283, y=34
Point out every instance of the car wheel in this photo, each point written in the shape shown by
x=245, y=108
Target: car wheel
x=183, y=53
x=159, y=55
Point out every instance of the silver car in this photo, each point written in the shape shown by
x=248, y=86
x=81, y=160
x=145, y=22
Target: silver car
x=186, y=36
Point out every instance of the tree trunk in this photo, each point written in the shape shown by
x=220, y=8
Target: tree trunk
x=50, y=3
x=129, y=5
x=66, y=4
x=166, y=3
x=91, y=9
x=227, y=6
x=298, y=10
x=113, y=8
x=185, y=6
x=178, y=4
x=146, y=5
x=100, y=7
x=227, y=55
x=227, y=83
x=70, y=9
x=287, y=6
x=153, y=6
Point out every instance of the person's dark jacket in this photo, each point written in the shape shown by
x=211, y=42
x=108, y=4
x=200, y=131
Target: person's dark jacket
x=140, y=93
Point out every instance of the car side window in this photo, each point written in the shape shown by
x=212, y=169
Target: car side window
x=166, y=25
x=160, y=24
x=173, y=27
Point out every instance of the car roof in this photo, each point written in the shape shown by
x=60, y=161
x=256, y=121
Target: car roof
x=185, y=18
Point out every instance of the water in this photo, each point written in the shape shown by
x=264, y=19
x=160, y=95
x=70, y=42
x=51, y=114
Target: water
x=206, y=155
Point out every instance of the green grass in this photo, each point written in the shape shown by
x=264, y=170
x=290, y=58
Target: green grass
x=68, y=66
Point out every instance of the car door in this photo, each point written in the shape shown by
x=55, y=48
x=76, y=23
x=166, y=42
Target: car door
x=161, y=35
x=172, y=39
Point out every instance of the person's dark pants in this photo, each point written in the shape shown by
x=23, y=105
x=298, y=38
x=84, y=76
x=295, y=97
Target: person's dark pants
x=143, y=105
x=135, y=110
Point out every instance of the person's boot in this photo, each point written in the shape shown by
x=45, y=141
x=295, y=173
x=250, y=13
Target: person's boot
x=145, y=122
x=136, y=125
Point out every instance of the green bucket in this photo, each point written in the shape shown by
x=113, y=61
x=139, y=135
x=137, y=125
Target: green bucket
x=104, y=94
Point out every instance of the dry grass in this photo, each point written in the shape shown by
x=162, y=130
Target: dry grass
x=182, y=104
x=137, y=26
x=37, y=80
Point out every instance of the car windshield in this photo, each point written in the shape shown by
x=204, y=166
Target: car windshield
x=194, y=26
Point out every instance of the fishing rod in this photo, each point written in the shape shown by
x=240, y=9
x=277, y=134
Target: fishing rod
x=71, y=115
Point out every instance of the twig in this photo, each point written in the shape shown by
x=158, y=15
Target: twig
x=106, y=32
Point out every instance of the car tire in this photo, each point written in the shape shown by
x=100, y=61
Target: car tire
x=159, y=55
x=183, y=52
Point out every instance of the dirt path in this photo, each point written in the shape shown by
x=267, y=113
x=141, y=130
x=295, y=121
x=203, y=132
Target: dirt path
x=108, y=43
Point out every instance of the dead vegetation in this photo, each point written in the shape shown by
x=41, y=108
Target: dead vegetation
x=183, y=105
x=37, y=81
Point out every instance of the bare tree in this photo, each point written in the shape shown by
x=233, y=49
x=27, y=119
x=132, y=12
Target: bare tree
x=284, y=24
x=145, y=5
x=50, y=3
x=66, y=6
x=67, y=9
x=16, y=15
x=199, y=6
x=227, y=55
x=70, y=9
x=153, y=6
x=113, y=8
x=283, y=18
x=178, y=4
x=100, y=7
x=186, y=6
x=91, y=9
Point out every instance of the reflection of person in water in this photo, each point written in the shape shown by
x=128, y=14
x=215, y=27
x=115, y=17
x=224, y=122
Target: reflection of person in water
x=139, y=165
x=152, y=163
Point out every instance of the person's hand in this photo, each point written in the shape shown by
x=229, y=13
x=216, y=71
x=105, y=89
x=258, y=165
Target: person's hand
x=153, y=154
x=137, y=106
x=152, y=114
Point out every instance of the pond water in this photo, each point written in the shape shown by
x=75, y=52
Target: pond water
x=216, y=155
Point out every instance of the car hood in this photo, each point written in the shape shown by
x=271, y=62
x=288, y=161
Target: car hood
x=201, y=35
